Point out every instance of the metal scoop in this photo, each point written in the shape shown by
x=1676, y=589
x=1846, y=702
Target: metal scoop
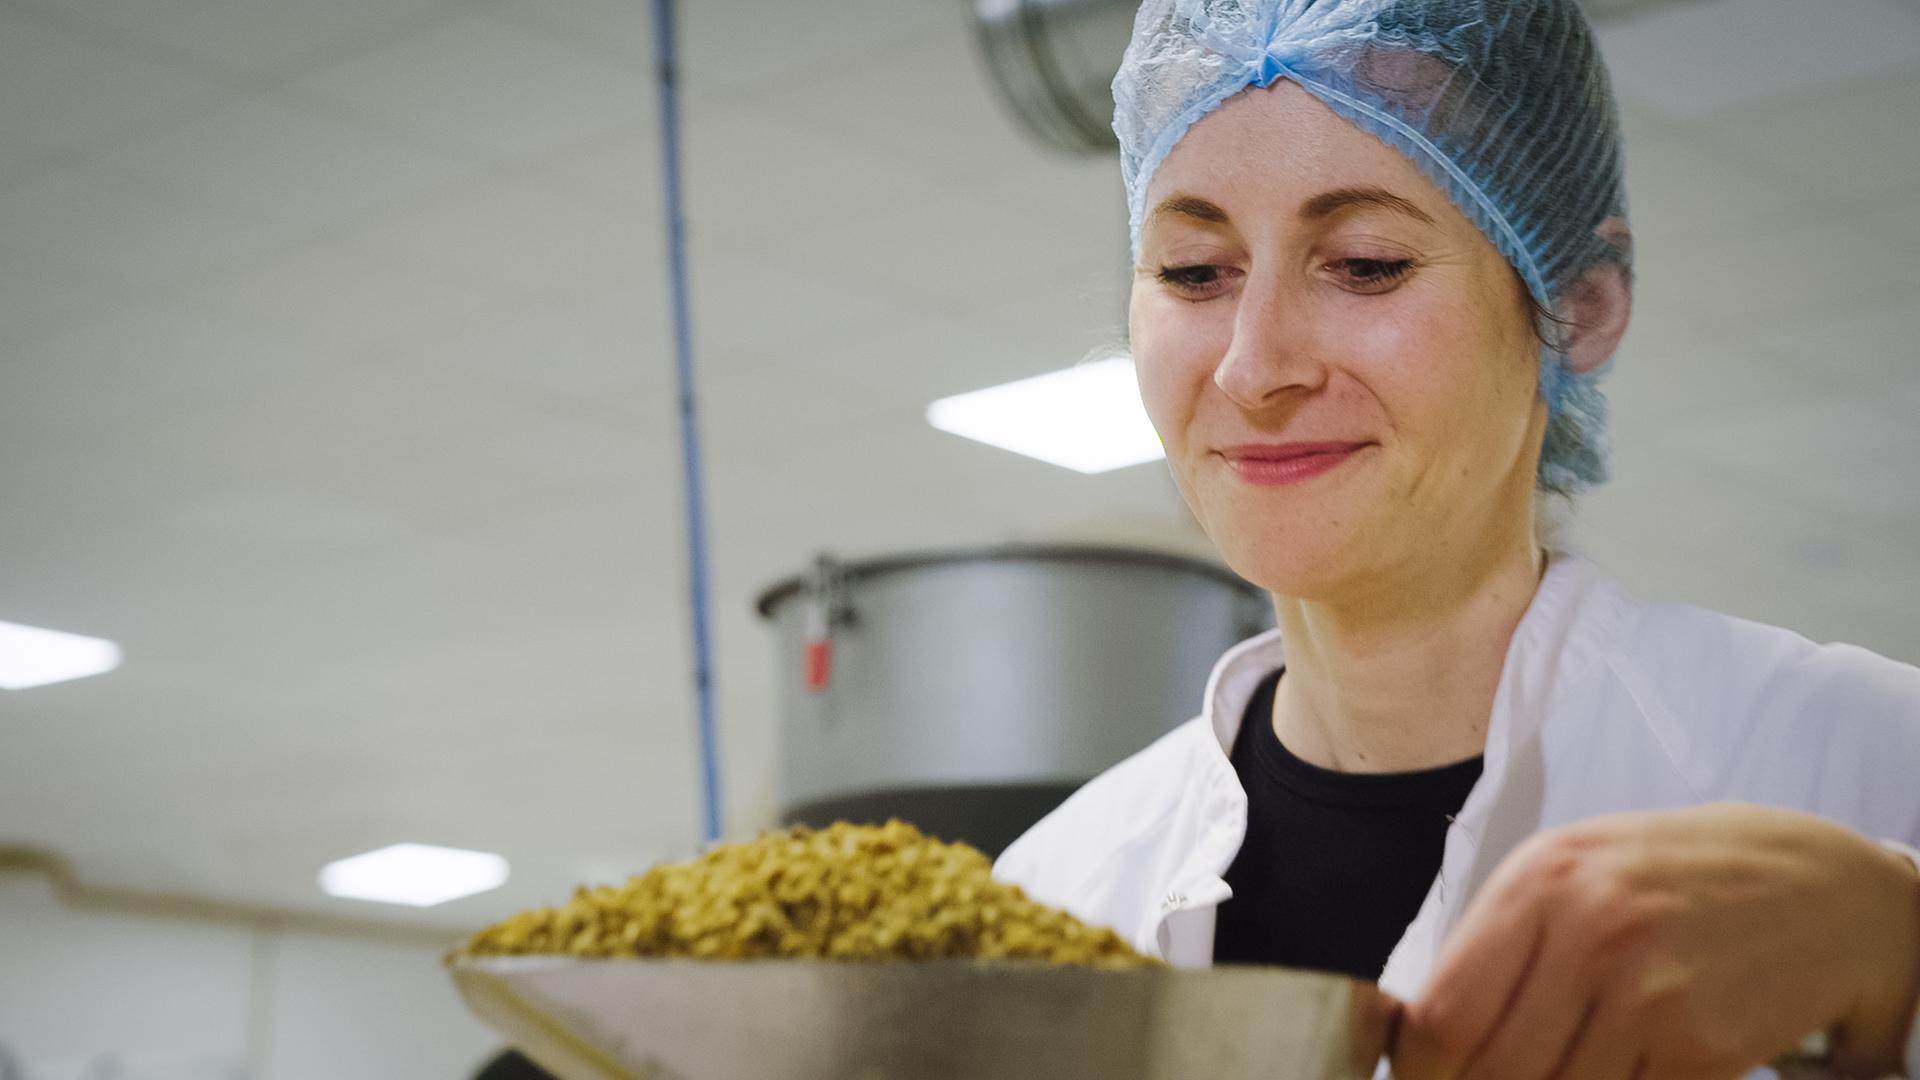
x=942, y=1020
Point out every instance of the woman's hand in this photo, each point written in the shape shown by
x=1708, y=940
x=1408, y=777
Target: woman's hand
x=1687, y=944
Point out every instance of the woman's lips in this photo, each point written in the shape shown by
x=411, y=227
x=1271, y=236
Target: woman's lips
x=1281, y=464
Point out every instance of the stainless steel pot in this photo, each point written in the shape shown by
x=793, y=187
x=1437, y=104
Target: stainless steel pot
x=969, y=692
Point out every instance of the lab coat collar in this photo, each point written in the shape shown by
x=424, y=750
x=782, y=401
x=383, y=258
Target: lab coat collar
x=1545, y=649
x=1235, y=676
x=1574, y=618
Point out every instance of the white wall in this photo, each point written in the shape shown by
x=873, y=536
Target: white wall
x=89, y=994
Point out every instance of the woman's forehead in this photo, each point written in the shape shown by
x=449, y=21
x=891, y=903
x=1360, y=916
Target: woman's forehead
x=1278, y=148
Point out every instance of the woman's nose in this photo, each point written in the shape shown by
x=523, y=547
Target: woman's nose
x=1272, y=351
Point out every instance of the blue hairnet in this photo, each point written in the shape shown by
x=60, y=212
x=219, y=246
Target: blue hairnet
x=1504, y=104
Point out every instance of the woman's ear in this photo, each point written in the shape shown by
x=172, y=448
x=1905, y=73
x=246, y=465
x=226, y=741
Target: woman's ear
x=1598, y=305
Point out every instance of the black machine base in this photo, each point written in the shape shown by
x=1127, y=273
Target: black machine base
x=988, y=816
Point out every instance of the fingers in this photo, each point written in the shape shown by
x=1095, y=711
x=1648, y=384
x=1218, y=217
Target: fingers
x=1373, y=1021
x=1476, y=982
x=1547, y=1015
x=1511, y=982
x=1607, y=1047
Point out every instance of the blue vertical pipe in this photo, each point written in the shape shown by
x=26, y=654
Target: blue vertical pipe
x=664, y=60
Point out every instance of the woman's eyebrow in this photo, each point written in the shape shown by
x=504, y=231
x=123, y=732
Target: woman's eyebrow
x=1328, y=202
x=1322, y=205
x=1191, y=206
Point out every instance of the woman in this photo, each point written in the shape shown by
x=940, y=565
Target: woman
x=1381, y=258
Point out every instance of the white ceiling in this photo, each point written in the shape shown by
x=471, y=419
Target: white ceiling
x=335, y=384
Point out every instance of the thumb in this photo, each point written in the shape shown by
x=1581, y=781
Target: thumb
x=1373, y=1023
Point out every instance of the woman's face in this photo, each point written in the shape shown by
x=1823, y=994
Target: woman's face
x=1342, y=368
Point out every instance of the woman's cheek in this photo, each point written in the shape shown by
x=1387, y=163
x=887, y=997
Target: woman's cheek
x=1158, y=395
x=1174, y=366
x=1417, y=354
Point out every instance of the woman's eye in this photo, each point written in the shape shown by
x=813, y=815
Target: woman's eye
x=1194, y=280
x=1371, y=275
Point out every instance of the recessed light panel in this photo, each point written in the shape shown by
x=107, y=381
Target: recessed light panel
x=1087, y=418
x=418, y=875
x=34, y=656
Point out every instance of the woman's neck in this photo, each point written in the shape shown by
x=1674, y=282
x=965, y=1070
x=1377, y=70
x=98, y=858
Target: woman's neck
x=1403, y=678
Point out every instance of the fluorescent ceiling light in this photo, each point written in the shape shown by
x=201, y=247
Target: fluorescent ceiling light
x=31, y=656
x=419, y=875
x=1087, y=418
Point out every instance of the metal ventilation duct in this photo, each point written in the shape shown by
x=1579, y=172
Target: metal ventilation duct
x=1052, y=62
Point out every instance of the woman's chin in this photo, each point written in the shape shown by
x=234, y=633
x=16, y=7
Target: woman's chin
x=1308, y=552
x=1306, y=572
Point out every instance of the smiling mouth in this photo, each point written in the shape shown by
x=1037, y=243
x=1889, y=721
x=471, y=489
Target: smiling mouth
x=1285, y=465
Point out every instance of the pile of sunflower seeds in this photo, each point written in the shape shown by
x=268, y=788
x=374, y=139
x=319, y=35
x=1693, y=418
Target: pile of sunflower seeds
x=846, y=892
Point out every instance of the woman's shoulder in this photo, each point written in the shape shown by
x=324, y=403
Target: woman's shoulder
x=1756, y=712
x=1703, y=658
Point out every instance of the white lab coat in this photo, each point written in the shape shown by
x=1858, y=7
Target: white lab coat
x=1605, y=704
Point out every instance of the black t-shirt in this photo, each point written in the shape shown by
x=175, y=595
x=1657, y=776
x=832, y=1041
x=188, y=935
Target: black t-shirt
x=1335, y=865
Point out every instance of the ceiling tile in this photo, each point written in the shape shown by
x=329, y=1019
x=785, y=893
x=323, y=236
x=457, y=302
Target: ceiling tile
x=764, y=50
x=515, y=237
x=296, y=167
x=726, y=181
x=286, y=518
x=927, y=101
x=247, y=35
x=754, y=413
x=757, y=175
x=113, y=226
x=607, y=351
x=332, y=295
x=618, y=29
x=272, y=432
x=372, y=410
x=619, y=170
x=492, y=460
x=750, y=304
x=1898, y=213
x=478, y=82
x=64, y=91
x=967, y=256
x=1083, y=195
x=38, y=294
x=334, y=427
x=133, y=374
